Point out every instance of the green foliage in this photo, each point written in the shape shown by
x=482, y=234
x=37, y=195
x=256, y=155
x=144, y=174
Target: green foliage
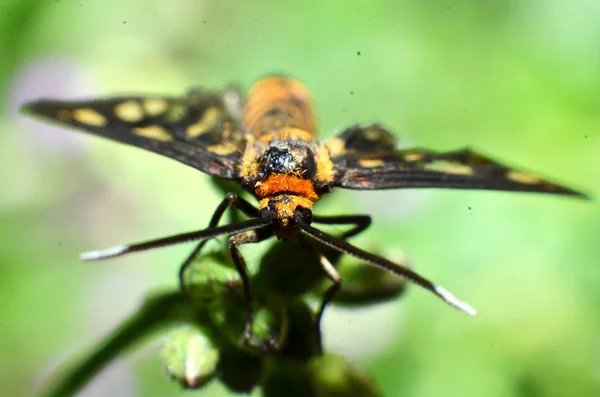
x=517, y=80
x=206, y=335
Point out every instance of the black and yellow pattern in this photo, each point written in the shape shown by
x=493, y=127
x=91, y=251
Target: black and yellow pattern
x=209, y=131
x=269, y=146
x=421, y=168
x=198, y=130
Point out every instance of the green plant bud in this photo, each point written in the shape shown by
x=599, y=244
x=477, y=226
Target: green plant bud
x=190, y=357
x=289, y=269
x=267, y=325
x=240, y=371
x=285, y=377
x=364, y=284
x=301, y=340
x=322, y=376
x=334, y=376
x=211, y=279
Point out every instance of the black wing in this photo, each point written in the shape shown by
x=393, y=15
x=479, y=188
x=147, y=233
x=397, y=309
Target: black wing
x=200, y=130
x=362, y=140
x=461, y=169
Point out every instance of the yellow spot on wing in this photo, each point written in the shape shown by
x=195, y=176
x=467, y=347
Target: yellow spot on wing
x=523, y=177
x=413, y=156
x=223, y=149
x=89, y=116
x=371, y=163
x=336, y=146
x=176, y=113
x=155, y=106
x=373, y=133
x=449, y=167
x=154, y=132
x=129, y=111
x=208, y=121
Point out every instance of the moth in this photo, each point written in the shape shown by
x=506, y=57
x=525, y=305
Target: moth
x=268, y=143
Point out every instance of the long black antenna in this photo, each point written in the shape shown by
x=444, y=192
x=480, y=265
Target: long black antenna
x=205, y=234
x=408, y=274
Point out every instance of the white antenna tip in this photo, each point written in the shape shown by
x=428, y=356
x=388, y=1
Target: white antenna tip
x=103, y=254
x=453, y=301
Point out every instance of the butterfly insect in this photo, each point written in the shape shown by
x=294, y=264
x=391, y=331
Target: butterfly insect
x=268, y=144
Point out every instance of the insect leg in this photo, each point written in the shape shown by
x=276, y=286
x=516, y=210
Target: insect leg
x=328, y=296
x=377, y=260
x=328, y=259
x=252, y=236
x=205, y=234
x=361, y=222
x=230, y=199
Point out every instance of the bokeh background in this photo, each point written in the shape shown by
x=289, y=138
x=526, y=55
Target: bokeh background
x=519, y=80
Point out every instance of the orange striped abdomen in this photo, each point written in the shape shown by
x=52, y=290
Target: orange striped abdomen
x=279, y=104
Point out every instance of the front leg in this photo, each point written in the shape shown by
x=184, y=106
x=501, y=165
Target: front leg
x=252, y=236
x=230, y=199
x=329, y=295
x=360, y=222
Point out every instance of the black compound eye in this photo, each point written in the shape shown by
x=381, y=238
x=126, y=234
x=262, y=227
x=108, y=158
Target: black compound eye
x=268, y=212
x=305, y=214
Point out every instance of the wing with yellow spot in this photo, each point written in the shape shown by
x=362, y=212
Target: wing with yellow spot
x=200, y=130
x=420, y=168
x=356, y=139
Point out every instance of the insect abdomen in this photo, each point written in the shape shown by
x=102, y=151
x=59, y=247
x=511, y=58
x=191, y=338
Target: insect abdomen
x=280, y=104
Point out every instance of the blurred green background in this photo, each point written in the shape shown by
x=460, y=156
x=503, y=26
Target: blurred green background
x=518, y=80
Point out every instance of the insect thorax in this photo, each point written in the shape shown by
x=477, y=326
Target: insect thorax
x=284, y=176
x=283, y=165
x=287, y=167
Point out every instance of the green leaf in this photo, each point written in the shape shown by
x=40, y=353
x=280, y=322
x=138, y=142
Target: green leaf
x=156, y=313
